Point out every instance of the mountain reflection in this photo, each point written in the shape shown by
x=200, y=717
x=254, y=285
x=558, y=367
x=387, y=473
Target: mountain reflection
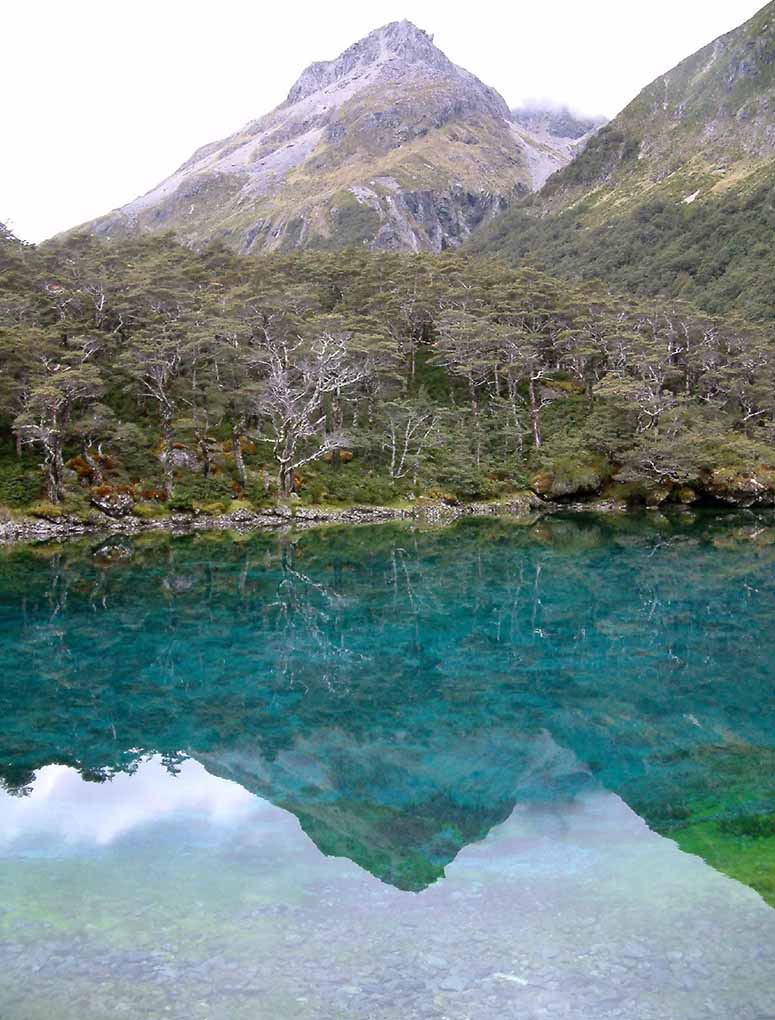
x=401, y=691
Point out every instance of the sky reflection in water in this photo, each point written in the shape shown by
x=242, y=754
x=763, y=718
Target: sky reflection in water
x=186, y=896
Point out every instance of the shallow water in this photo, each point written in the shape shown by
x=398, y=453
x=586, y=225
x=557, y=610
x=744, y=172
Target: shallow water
x=490, y=771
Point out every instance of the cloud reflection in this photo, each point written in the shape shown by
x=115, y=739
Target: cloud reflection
x=68, y=811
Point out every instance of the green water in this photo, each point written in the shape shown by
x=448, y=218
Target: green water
x=493, y=770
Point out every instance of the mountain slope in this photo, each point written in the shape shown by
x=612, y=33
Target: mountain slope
x=558, y=121
x=390, y=145
x=674, y=195
x=401, y=813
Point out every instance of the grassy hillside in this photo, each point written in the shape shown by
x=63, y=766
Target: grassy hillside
x=717, y=254
x=674, y=195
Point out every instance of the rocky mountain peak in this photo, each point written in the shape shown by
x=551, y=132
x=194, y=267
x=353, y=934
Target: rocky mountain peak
x=406, y=39
x=389, y=145
x=398, y=44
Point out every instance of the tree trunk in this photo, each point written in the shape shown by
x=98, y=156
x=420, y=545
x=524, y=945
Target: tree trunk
x=535, y=411
x=97, y=477
x=393, y=450
x=239, y=460
x=285, y=480
x=55, y=487
x=477, y=426
x=518, y=450
x=204, y=449
x=52, y=493
x=167, y=465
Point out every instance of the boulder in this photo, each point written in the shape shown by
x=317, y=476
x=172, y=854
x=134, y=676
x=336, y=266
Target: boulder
x=180, y=458
x=113, y=504
x=742, y=488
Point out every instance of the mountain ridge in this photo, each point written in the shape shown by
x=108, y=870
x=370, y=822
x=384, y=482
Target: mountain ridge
x=673, y=196
x=389, y=145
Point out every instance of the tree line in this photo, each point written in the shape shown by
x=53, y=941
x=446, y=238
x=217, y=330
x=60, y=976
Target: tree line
x=147, y=364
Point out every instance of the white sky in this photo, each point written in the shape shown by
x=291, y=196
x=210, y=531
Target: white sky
x=102, y=99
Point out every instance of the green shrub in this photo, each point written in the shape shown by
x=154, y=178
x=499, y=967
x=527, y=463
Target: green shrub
x=211, y=509
x=47, y=511
x=149, y=511
x=752, y=826
x=20, y=482
x=466, y=482
x=196, y=490
x=349, y=485
x=577, y=477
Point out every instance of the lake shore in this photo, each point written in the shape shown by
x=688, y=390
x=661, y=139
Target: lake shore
x=526, y=506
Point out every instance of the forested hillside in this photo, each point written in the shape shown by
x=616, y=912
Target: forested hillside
x=718, y=254
x=674, y=196
x=143, y=377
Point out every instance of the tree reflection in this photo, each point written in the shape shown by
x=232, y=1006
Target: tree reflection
x=401, y=689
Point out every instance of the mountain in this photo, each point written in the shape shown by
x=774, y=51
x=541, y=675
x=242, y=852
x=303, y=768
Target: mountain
x=404, y=814
x=559, y=128
x=558, y=122
x=675, y=194
x=391, y=145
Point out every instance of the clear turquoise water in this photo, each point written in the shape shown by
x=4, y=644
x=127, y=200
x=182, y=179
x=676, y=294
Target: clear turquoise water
x=488, y=771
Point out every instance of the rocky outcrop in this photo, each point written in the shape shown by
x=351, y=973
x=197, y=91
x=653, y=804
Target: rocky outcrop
x=113, y=504
x=735, y=487
x=731, y=487
x=400, y=38
x=390, y=145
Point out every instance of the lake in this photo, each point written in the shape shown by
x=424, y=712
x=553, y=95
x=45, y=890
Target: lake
x=492, y=770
